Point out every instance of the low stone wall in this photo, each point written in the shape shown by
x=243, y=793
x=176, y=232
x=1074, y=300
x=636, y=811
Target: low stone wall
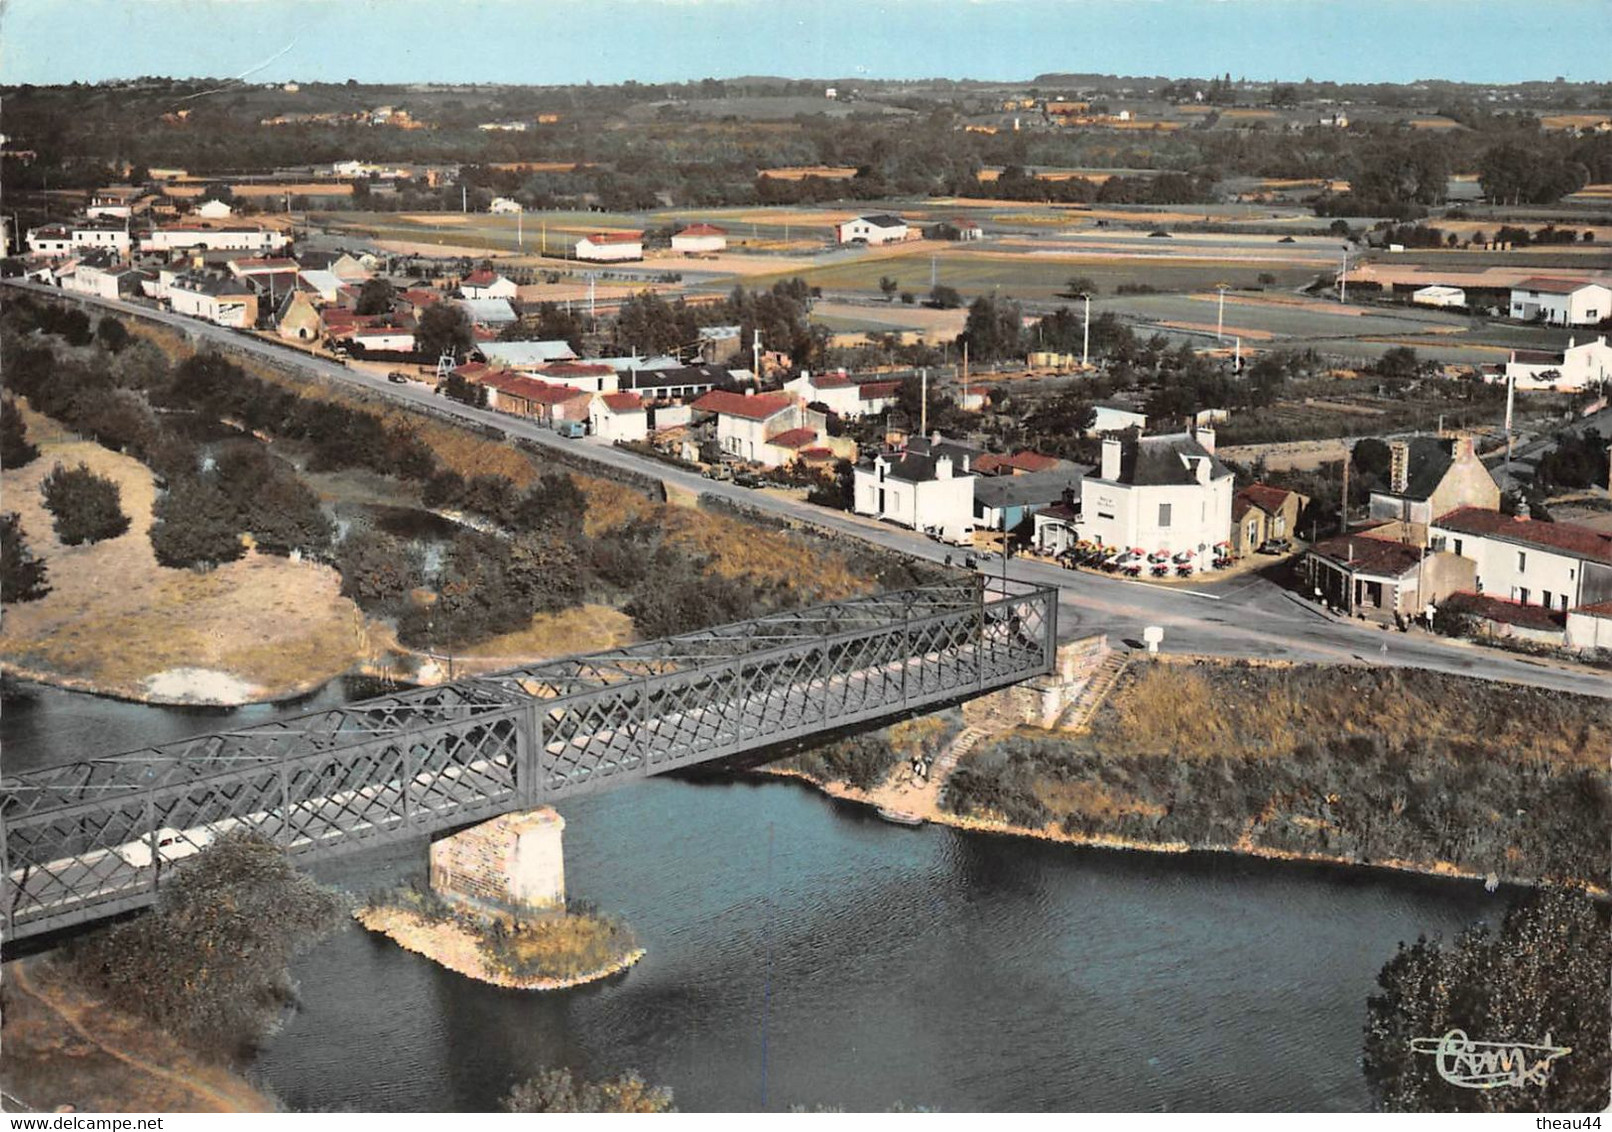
x=1041, y=700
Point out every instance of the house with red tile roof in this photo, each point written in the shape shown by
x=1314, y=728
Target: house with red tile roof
x=485, y=283
x=1261, y=513
x=1561, y=302
x=1557, y=566
x=699, y=239
x=596, y=377
x=1380, y=578
x=618, y=416
x=748, y=426
x=523, y=396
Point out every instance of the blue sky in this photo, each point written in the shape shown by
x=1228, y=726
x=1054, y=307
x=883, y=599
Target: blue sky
x=607, y=41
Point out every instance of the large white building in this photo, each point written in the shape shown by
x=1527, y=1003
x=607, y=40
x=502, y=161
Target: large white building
x=618, y=416
x=1558, y=566
x=880, y=228
x=1572, y=371
x=241, y=239
x=221, y=299
x=928, y=486
x=700, y=238
x=769, y=429
x=63, y=239
x=1439, y=295
x=1159, y=493
x=611, y=247
x=1561, y=302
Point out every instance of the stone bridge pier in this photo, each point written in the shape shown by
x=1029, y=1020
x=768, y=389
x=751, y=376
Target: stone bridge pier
x=511, y=865
x=1043, y=701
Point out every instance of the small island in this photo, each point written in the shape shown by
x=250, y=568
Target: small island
x=495, y=910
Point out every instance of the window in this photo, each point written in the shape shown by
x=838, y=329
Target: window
x=1522, y=561
x=1458, y=546
x=1592, y=315
x=1544, y=598
x=1104, y=515
x=1164, y=514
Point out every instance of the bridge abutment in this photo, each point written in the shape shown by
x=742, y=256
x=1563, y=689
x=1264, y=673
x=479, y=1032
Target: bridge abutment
x=512, y=864
x=1042, y=701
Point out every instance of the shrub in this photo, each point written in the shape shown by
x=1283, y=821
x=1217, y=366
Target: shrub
x=556, y=1090
x=112, y=335
x=377, y=570
x=87, y=507
x=196, y=525
x=22, y=576
x=15, y=451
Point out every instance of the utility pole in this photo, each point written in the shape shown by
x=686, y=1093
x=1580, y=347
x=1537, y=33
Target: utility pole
x=592, y=278
x=755, y=353
x=923, y=401
x=1343, y=277
x=1511, y=398
x=1085, y=334
x=931, y=273
x=1343, y=512
x=965, y=362
x=464, y=198
x=1220, y=313
x=520, y=238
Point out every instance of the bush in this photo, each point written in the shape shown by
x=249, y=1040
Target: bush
x=113, y=335
x=377, y=570
x=87, y=507
x=209, y=963
x=15, y=451
x=556, y=1090
x=22, y=576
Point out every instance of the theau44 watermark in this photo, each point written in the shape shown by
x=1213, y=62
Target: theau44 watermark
x=1467, y=1064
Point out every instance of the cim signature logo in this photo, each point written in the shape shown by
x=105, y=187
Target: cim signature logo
x=1467, y=1064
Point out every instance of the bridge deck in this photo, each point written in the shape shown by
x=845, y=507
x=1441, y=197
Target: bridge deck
x=87, y=839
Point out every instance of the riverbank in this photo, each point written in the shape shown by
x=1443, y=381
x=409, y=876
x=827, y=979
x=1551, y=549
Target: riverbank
x=1383, y=768
x=64, y=1050
x=542, y=955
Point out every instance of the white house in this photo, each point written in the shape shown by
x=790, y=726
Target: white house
x=241, y=239
x=611, y=247
x=61, y=239
x=1438, y=295
x=700, y=238
x=1156, y=494
x=1572, y=371
x=1558, y=566
x=880, y=228
x=389, y=339
x=503, y=205
x=748, y=425
x=928, y=486
x=485, y=283
x=104, y=276
x=1561, y=302
x=214, y=210
x=618, y=416
x=834, y=389
x=221, y=299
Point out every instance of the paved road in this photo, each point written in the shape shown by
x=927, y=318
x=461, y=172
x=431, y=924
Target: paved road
x=1245, y=616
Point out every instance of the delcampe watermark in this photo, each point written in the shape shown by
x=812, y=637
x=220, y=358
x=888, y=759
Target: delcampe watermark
x=1467, y=1064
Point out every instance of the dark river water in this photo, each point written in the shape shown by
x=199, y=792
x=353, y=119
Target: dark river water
x=802, y=952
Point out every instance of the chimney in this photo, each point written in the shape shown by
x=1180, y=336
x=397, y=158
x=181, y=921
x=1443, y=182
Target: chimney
x=943, y=468
x=1111, y=456
x=1206, y=437
x=749, y=391
x=1398, y=466
x=1462, y=449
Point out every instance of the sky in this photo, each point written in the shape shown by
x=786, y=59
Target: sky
x=609, y=41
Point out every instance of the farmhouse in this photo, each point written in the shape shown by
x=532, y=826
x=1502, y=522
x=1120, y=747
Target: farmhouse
x=1561, y=302
x=221, y=299
x=502, y=206
x=611, y=247
x=103, y=274
x=880, y=228
x=61, y=239
x=485, y=283
x=762, y=428
x=494, y=313
x=618, y=416
x=700, y=238
x=1574, y=370
x=214, y=210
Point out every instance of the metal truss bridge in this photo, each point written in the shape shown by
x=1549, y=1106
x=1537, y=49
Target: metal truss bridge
x=90, y=839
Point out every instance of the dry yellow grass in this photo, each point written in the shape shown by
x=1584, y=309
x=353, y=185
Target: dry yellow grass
x=736, y=549
x=114, y=618
x=587, y=628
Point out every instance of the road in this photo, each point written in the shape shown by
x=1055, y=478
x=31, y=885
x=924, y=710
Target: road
x=1243, y=617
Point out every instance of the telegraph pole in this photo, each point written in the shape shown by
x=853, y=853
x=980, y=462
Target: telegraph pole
x=1343, y=277
x=755, y=353
x=1220, y=314
x=923, y=401
x=1085, y=334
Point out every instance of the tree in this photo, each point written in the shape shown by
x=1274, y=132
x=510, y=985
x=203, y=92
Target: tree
x=994, y=331
x=1077, y=285
x=112, y=334
x=209, y=964
x=15, y=451
x=86, y=507
x=377, y=570
x=444, y=329
x=196, y=524
x=889, y=286
x=376, y=296
x=945, y=298
x=74, y=327
x=22, y=576
x=1542, y=974
x=556, y=1090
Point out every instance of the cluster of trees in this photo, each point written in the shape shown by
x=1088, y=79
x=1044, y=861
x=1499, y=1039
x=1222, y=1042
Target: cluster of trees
x=209, y=964
x=1541, y=974
x=22, y=576
x=15, y=449
x=647, y=324
x=1578, y=460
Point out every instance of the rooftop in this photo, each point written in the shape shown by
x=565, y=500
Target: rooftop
x=755, y=408
x=1563, y=538
x=1551, y=286
x=794, y=438
x=1153, y=461
x=1267, y=498
x=1367, y=555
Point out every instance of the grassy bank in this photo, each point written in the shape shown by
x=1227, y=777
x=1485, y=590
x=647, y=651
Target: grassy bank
x=1393, y=767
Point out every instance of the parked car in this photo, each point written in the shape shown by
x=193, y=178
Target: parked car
x=748, y=479
x=1276, y=546
x=397, y=377
x=571, y=430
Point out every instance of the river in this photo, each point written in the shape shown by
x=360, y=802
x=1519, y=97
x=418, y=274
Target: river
x=802, y=952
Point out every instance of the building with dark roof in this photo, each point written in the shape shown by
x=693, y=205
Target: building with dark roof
x=928, y=485
x=1430, y=476
x=879, y=228
x=1380, y=578
x=1160, y=495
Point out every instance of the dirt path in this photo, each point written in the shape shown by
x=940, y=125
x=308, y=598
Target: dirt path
x=228, y=1095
